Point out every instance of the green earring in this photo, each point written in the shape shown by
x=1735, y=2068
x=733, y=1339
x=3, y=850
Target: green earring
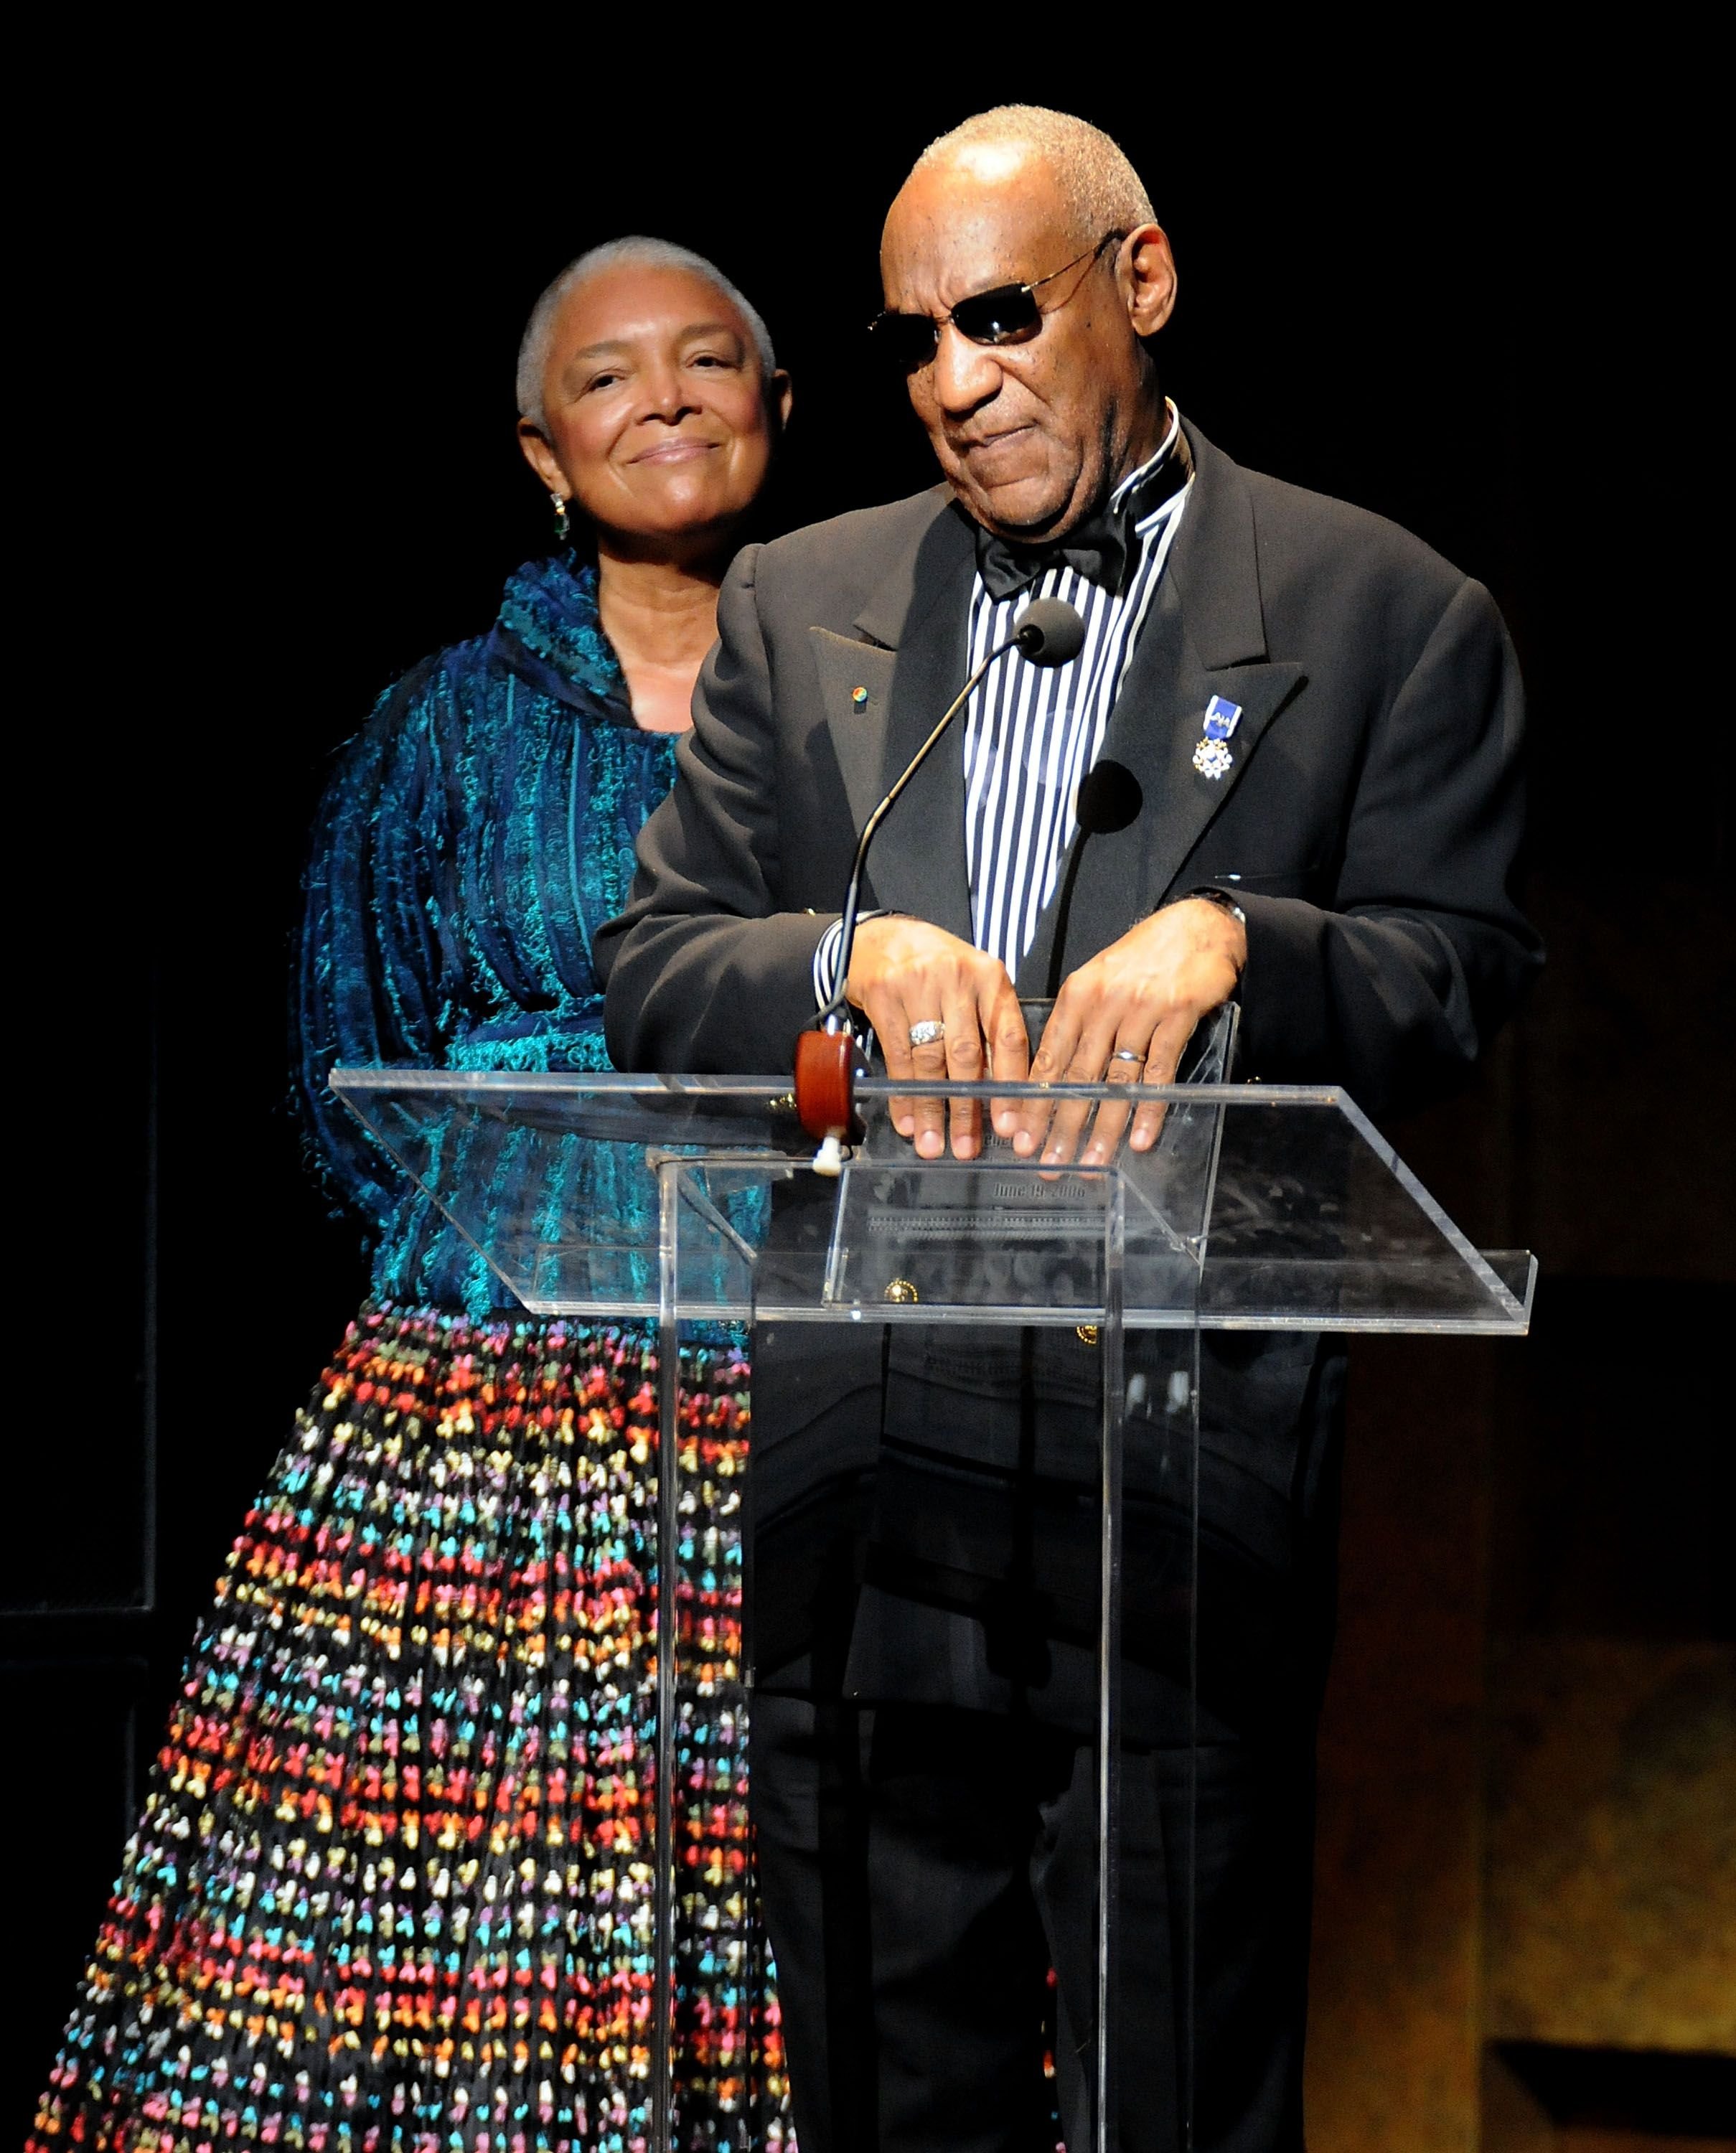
x=563, y=522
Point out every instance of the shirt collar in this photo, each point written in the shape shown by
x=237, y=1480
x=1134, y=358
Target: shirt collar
x=1152, y=464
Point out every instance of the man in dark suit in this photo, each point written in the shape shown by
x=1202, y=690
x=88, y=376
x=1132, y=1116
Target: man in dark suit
x=1320, y=722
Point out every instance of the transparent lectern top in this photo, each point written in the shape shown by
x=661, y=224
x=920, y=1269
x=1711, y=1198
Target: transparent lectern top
x=1262, y=1207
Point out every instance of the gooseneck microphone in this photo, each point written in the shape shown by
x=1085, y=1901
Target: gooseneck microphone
x=1049, y=632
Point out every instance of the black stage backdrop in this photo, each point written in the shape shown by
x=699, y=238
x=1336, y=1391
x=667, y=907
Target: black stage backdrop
x=268, y=462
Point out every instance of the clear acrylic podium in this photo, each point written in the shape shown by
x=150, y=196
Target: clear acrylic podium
x=1261, y=1207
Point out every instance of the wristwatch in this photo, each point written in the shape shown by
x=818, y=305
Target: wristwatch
x=1224, y=901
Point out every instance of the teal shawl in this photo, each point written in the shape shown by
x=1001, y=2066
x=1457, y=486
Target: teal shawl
x=474, y=836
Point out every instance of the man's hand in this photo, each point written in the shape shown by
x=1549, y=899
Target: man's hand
x=905, y=972
x=1127, y=1015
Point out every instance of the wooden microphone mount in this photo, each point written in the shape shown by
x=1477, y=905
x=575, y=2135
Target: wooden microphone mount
x=826, y=1094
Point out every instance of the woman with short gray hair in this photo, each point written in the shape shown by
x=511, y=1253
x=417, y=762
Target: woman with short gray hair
x=379, y=1894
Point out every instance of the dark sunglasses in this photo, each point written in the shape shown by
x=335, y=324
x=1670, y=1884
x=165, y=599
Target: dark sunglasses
x=1009, y=314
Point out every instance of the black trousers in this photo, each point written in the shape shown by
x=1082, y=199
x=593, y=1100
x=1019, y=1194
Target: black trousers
x=922, y=1545
x=924, y=1868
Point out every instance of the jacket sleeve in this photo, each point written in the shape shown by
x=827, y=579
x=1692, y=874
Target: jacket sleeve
x=705, y=971
x=1393, y=987
x=372, y=953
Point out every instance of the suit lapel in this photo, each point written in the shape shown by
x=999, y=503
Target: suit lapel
x=922, y=613
x=856, y=689
x=1204, y=636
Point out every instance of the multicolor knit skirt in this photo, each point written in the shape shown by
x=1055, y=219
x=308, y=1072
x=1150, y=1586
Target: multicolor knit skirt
x=391, y=1887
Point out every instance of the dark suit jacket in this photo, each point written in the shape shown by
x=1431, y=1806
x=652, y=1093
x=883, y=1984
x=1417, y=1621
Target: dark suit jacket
x=1368, y=826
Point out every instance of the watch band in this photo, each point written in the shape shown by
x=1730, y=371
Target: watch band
x=1222, y=899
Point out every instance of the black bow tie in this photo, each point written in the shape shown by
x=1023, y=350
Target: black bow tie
x=1100, y=547
x=1097, y=548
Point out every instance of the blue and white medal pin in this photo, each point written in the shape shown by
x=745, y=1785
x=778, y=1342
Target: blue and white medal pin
x=1212, y=756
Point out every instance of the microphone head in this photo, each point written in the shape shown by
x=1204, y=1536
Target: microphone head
x=1109, y=798
x=1050, y=632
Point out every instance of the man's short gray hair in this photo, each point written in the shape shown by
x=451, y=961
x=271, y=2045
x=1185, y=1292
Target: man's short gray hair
x=639, y=252
x=1101, y=188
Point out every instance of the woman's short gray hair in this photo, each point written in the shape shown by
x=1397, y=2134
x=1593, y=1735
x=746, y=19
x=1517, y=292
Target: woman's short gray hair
x=639, y=252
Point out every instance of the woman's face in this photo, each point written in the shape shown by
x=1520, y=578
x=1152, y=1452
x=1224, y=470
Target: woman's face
x=658, y=426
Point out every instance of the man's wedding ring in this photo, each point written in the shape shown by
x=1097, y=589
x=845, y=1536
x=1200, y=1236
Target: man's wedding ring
x=927, y=1032
x=1127, y=1054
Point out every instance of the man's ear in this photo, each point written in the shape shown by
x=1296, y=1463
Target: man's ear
x=1145, y=270
x=780, y=395
x=534, y=445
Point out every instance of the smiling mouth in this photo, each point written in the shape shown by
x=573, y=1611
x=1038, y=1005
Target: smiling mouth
x=680, y=451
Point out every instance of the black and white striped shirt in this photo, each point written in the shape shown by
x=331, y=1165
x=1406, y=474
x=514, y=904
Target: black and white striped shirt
x=1032, y=735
